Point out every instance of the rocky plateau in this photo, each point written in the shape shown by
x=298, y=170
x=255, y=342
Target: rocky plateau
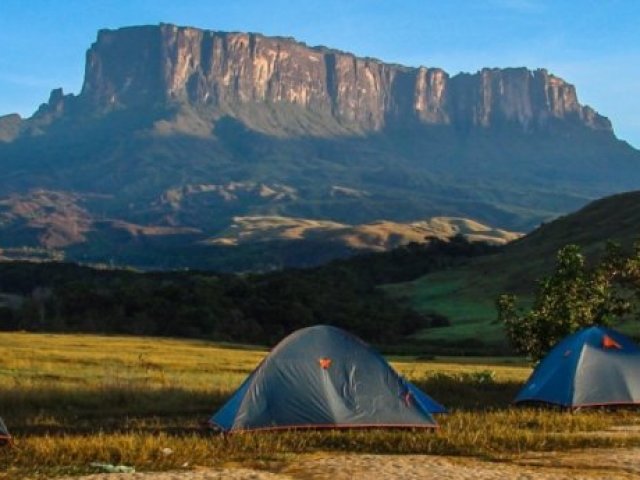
x=178, y=132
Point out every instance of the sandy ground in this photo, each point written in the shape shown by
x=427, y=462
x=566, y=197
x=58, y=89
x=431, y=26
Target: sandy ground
x=587, y=464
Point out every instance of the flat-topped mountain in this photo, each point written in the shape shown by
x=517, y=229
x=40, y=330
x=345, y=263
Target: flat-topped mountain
x=232, y=73
x=177, y=130
x=225, y=72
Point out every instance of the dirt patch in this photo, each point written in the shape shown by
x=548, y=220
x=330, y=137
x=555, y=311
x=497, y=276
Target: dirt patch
x=605, y=464
x=597, y=464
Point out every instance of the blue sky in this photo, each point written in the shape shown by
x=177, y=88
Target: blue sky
x=594, y=44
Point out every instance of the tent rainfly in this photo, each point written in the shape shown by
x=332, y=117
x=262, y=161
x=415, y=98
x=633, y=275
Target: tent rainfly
x=324, y=377
x=594, y=367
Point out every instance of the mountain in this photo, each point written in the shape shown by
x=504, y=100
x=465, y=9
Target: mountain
x=466, y=294
x=235, y=73
x=177, y=131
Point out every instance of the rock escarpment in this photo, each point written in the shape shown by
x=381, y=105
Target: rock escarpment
x=228, y=73
x=177, y=132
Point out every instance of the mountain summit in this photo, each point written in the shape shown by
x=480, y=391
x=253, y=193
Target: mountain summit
x=177, y=130
x=232, y=73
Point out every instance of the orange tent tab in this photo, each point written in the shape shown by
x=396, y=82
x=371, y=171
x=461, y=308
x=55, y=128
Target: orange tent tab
x=325, y=363
x=608, y=342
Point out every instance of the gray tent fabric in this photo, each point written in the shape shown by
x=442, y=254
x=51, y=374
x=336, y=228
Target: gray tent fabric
x=4, y=433
x=325, y=377
x=605, y=378
x=596, y=366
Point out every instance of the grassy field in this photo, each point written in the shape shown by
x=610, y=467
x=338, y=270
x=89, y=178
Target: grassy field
x=73, y=399
x=465, y=298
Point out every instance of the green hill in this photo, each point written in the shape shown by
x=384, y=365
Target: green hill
x=466, y=294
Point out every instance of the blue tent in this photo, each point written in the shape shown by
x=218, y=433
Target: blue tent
x=324, y=377
x=594, y=367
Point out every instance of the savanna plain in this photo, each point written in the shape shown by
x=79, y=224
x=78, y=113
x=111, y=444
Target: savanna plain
x=70, y=400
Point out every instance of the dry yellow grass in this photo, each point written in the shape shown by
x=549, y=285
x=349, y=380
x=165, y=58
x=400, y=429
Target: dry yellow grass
x=73, y=399
x=45, y=360
x=381, y=235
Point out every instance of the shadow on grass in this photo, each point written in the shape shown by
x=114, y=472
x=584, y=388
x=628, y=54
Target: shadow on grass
x=108, y=409
x=176, y=411
x=470, y=392
x=60, y=431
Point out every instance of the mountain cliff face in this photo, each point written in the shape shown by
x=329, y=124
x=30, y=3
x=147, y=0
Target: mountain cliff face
x=223, y=72
x=177, y=131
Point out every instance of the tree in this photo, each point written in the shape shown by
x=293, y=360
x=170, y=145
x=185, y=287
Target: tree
x=574, y=296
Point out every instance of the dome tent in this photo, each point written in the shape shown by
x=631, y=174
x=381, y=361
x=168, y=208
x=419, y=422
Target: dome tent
x=594, y=367
x=324, y=377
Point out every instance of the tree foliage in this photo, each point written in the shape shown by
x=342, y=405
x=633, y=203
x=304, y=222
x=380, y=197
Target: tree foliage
x=256, y=308
x=574, y=296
